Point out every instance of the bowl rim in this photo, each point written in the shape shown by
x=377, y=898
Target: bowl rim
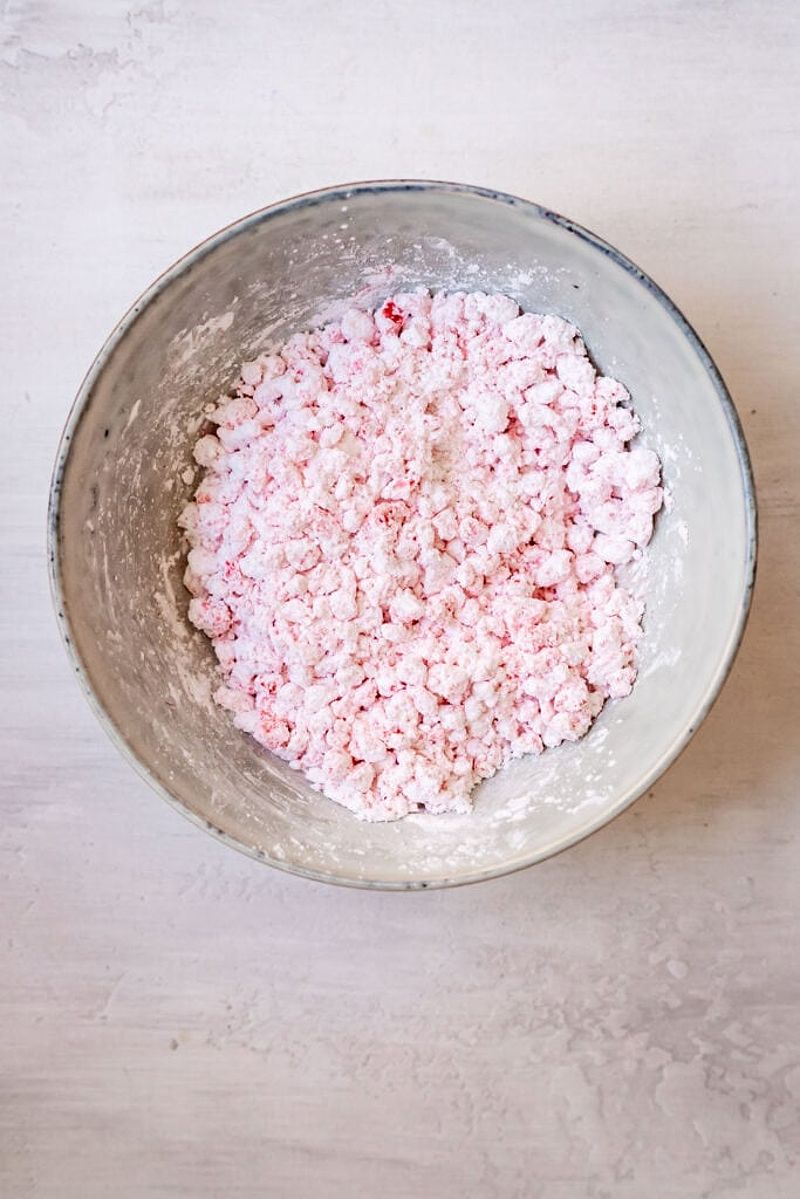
x=337, y=194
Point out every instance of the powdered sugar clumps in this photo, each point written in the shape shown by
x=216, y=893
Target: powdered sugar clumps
x=404, y=544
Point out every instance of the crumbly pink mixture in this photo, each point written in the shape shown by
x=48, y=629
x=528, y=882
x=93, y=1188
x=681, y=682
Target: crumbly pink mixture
x=404, y=543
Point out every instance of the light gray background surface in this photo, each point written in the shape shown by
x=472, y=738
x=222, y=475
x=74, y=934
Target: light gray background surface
x=622, y=1022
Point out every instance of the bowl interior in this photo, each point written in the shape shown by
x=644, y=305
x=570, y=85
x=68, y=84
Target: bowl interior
x=126, y=472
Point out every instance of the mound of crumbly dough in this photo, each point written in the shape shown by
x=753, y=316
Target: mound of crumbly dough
x=404, y=543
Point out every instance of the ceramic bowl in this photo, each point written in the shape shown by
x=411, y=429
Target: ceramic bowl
x=124, y=473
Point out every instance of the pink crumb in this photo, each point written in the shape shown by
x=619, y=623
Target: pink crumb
x=404, y=543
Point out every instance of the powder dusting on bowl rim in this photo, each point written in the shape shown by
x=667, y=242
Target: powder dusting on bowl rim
x=341, y=194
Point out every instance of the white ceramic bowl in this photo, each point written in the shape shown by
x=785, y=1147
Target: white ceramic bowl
x=115, y=553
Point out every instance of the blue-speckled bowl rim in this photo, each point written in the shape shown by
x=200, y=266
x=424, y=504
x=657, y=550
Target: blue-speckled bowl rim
x=339, y=194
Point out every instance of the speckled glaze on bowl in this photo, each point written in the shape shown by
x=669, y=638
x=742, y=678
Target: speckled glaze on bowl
x=116, y=556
